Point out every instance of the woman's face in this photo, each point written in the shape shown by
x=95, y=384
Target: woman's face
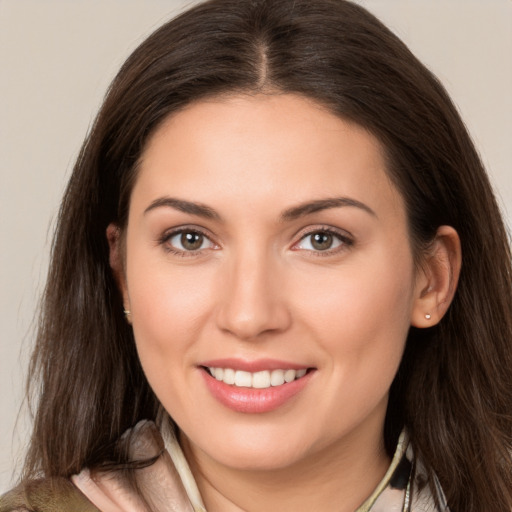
x=266, y=244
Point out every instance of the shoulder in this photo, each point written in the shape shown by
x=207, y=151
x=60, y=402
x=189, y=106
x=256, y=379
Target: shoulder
x=46, y=495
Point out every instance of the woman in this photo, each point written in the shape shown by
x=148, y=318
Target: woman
x=279, y=235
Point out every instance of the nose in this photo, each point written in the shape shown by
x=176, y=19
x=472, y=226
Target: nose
x=254, y=297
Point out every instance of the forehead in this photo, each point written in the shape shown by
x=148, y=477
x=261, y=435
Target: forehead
x=267, y=148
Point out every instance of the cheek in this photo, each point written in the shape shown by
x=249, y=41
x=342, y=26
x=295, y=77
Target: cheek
x=169, y=305
x=360, y=317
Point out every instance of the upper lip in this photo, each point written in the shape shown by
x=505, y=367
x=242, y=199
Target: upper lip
x=257, y=365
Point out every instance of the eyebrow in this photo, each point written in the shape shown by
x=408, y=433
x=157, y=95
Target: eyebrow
x=323, y=204
x=202, y=210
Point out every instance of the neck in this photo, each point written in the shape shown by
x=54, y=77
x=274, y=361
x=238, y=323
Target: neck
x=337, y=479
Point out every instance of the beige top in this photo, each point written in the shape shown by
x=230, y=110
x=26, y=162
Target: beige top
x=169, y=486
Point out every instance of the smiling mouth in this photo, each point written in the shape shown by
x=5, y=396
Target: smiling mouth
x=256, y=380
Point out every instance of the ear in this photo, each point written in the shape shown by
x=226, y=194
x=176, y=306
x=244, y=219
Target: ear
x=117, y=262
x=437, y=278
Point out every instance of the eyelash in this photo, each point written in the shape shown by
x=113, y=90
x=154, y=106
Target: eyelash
x=345, y=241
x=167, y=236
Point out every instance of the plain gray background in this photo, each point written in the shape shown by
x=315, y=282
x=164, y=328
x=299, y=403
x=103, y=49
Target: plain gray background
x=56, y=61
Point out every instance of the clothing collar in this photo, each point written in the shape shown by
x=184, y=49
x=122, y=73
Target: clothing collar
x=168, y=484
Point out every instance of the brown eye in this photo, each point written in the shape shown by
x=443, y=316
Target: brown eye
x=191, y=241
x=321, y=241
x=188, y=241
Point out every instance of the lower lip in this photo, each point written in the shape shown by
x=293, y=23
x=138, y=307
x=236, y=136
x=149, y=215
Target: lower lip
x=251, y=400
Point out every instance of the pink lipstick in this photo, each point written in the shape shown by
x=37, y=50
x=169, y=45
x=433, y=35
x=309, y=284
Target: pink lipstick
x=254, y=386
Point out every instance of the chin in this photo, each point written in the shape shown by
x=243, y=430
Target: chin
x=264, y=459
x=258, y=449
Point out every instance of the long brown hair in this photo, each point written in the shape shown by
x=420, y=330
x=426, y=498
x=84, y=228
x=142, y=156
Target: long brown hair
x=453, y=390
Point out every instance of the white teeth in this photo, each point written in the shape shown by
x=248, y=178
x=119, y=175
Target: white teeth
x=257, y=380
x=289, y=375
x=243, y=379
x=261, y=380
x=277, y=378
x=229, y=376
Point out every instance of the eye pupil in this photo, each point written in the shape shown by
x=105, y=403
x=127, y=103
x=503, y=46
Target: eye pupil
x=321, y=241
x=191, y=241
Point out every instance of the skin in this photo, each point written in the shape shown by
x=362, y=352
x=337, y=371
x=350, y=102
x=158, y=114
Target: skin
x=257, y=288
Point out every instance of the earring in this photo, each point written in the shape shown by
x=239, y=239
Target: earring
x=428, y=316
x=127, y=314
